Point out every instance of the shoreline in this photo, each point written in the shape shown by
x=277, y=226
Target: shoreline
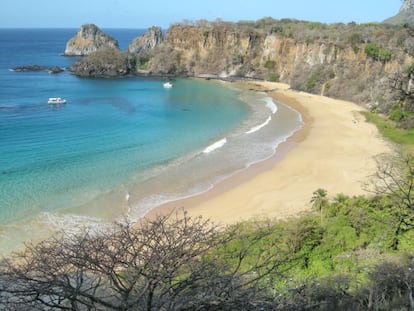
x=334, y=150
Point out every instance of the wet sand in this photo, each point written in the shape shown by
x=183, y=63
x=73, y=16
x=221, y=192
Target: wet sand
x=335, y=150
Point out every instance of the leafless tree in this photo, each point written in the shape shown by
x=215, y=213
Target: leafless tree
x=173, y=262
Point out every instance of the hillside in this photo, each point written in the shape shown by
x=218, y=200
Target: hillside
x=404, y=16
x=347, y=61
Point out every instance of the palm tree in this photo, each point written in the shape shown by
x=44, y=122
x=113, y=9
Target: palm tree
x=319, y=200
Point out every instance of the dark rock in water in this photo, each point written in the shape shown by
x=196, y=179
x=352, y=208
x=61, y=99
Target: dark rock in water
x=89, y=39
x=149, y=40
x=27, y=68
x=55, y=70
x=107, y=63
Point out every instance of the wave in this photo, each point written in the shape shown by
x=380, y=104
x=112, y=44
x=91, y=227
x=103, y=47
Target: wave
x=258, y=127
x=271, y=104
x=216, y=145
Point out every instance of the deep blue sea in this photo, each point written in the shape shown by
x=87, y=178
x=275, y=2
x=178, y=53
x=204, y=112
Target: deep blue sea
x=118, y=147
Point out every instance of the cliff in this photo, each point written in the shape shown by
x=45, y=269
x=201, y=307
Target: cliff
x=353, y=62
x=151, y=39
x=89, y=39
x=347, y=61
x=405, y=14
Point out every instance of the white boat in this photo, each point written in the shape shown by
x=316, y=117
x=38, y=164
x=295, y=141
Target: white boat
x=56, y=100
x=167, y=85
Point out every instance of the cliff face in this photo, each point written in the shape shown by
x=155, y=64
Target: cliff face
x=404, y=16
x=89, y=39
x=407, y=5
x=335, y=65
x=151, y=39
x=352, y=62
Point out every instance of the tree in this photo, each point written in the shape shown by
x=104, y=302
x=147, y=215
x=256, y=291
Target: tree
x=173, y=262
x=394, y=179
x=319, y=200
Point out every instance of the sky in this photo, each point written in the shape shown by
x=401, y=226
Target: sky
x=144, y=14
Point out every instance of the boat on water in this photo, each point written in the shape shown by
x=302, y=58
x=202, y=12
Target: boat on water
x=56, y=100
x=167, y=85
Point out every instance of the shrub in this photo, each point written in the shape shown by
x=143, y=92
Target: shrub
x=376, y=53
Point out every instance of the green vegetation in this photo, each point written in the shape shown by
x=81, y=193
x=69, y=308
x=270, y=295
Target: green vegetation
x=389, y=129
x=271, y=74
x=355, y=40
x=378, y=54
x=348, y=253
x=313, y=80
x=351, y=253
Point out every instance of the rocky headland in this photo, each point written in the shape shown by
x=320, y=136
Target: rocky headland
x=88, y=40
x=363, y=63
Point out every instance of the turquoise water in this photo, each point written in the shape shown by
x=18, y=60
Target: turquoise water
x=118, y=147
x=108, y=130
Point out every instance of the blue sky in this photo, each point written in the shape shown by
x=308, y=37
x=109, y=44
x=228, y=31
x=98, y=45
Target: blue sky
x=143, y=14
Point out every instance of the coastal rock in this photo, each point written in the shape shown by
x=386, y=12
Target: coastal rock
x=408, y=5
x=105, y=63
x=148, y=41
x=404, y=16
x=89, y=39
x=330, y=61
x=29, y=68
x=26, y=68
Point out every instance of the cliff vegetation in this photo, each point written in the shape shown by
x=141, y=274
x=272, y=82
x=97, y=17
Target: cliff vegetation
x=356, y=62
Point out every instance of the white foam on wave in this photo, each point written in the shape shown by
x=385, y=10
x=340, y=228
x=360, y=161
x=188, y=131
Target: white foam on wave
x=258, y=127
x=271, y=104
x=216, y=145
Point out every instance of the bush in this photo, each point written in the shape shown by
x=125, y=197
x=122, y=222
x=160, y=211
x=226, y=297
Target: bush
x=376, y=53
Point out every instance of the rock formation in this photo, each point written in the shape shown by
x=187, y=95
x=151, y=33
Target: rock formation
x=105, y=63
x=148, y=41
x=25, y=68
x=89, y=39
x=317, y=58
x=352, y=62
x=407, y=5
x=404, y=16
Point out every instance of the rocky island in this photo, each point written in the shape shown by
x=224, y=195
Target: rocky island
x=89, y=39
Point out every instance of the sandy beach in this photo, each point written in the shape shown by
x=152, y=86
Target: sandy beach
x=335, y=150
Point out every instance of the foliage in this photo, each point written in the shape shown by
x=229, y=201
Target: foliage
x=312, y=81
x=272, y=77
x=390, y=131
x=376, y=53
x=169, y=263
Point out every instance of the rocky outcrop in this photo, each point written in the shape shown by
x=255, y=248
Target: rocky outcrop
x=408, y=5
x=89, y=39
x=404, y=16
x=105, y=63
x=148, y=41
x=317, y=58
x=352, y=62
x=25, y=68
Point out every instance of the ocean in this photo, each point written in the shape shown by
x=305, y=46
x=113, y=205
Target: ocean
x=118, y=147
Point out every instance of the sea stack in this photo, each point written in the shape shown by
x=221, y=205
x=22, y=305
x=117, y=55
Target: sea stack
x=89, y=39
x=149, y=40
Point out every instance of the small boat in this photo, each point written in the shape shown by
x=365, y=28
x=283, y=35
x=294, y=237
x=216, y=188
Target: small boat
x=56, y=100
x=167, y=85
